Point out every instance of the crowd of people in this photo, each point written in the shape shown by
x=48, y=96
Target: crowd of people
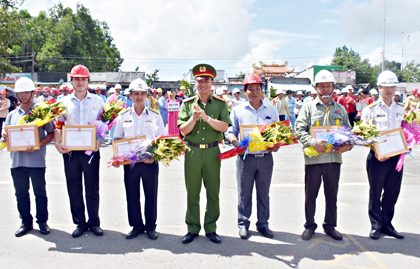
x=203, y=120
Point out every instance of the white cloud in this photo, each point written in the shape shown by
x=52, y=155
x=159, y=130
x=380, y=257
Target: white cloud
x=277, y=38
x=392, y=53
x=363, y=20
x=325, y=60
x=263, y=52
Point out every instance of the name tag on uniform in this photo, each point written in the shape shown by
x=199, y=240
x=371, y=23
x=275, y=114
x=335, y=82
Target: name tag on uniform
x=380, y=116
x=127, y=121
x=149, y=121
x=398, y=116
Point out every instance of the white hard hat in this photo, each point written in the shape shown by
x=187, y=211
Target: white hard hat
x=299, y=92
x=279, y=91
x=324, y=76
x=387, y=79
x=397, y=93
x=112, y=90
x=336, y=91
x=213, y=88
x=224, y=88
x=24, y=84
x=236, y=90
x=219, y=91
x=345, y=90
x=313, y=91
x=138, y=85
x=373, y=91
x=118, y=86
x=349, y=87
x=126, y=91
x=339, y=92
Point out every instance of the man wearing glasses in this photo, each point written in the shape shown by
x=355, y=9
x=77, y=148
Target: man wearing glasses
x=202, y=120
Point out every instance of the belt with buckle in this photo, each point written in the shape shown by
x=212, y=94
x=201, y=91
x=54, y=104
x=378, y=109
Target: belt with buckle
x=203, y=146
x=259, y=155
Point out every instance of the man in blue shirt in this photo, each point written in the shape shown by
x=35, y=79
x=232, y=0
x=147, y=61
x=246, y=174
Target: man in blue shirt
x=98, y=92
x=291, y=102
x=256, y=166
x=162, y=107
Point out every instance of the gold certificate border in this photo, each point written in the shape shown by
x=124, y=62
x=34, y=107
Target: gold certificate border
x=72, y=127
x=14, y=128
x=398, y=130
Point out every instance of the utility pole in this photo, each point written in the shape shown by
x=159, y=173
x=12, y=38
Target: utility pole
x=383, y=50
x=33, y=65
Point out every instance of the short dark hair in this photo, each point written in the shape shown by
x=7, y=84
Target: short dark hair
x=246, y=87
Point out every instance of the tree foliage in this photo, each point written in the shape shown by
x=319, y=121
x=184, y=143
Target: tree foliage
x=365, y=73
x=154, y=76
x=187, y=86
x=9, y=25
x=62, y=38
x=241, y=75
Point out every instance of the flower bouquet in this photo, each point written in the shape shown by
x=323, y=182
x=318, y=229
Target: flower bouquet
x=411, y=129
x=43, y=113
x=362, y=134
x=271, y=135
x=163, y=149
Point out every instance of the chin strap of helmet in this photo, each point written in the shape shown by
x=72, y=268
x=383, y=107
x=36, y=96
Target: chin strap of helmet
x=32, y=93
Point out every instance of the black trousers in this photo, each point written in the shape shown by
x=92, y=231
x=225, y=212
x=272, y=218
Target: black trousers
x=384, y=189
x=329, y=173
x=21, y=177
x=77, y=167
x=148, y=173
x=352, y=115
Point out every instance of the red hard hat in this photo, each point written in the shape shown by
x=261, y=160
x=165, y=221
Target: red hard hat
x=38, y=89
x=65, y=88
x=252, y=79
x=181, y=94
x=71, y=90
x=3, y=92
x=79, y=71
x=98, y=88
x=46, y=89
x=154, y=90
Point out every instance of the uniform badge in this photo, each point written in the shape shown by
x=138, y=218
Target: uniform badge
x=203, y=69
x=337, y=112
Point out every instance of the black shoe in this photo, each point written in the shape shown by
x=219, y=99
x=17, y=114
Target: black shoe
x=97, y=230
x=188, y=238
x=307, y=234
x=374, y=234
x=79, y=231
x=266, y=232
x=214, y=237
x=243, y=232
x=334, y=234
x=23, y=230
x=43, y=228
x=152, y=235
x=392, y=232
x=133, y=234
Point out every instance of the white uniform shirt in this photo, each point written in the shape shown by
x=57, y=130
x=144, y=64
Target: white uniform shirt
x=384, y=117
x=81, y=112
x=236, y=102
x=149, y=123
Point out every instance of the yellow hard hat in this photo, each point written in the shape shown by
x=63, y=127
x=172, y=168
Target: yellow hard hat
x=182, y=88
x=159, y=90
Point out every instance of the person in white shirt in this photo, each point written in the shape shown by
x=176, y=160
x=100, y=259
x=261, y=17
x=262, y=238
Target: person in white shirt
x=82, y=108
x=237, y=100
x=312, y=96
x=140, y=121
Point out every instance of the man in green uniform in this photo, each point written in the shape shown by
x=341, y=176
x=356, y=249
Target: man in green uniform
x=203, y=119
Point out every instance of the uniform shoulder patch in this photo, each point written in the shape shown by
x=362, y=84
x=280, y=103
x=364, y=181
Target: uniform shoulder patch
x=400, y=104
x=218, y=98
x=188, y=99
x=154, y=110
x=372, y=105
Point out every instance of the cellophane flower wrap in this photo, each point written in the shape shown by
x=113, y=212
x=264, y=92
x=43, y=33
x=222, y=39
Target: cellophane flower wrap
x=43, y=113
x=163, y=149
x=279, y=133
x=111, y=110
x=243, y=145
x=412, y=134
x=362, y=134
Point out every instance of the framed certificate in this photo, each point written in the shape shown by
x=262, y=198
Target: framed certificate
x=247, y=129
x=395, y=144
x=320, y=132
x=123, y=146
x=79, y=137
x=22, y=137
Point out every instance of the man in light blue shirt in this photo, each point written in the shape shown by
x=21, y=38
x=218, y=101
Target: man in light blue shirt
x=256, y=166
x=98, y=92
x=291, y=102
x=162, y=107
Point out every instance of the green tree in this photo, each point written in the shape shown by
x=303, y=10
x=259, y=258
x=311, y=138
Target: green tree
x=187, y=86
x=350, y=60
x=9, y=25
x=62, y=38
x=152, y=77
x=241, y=75
x=411, y=72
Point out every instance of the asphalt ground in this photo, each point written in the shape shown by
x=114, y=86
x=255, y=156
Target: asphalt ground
x=285, y=250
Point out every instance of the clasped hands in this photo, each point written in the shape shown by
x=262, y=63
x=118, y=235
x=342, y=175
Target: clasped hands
x=199, y=113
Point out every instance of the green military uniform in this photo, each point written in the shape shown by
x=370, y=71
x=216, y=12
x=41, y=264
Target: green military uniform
x=202, y=164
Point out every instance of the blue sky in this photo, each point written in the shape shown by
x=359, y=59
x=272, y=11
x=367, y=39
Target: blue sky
x=175, y=35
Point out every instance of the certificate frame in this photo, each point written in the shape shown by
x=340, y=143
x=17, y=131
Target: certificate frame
x=122, y=142
x=395, y=146
x=13, y=130
x=246, y=129
x=67, y=129
x=316, y=131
